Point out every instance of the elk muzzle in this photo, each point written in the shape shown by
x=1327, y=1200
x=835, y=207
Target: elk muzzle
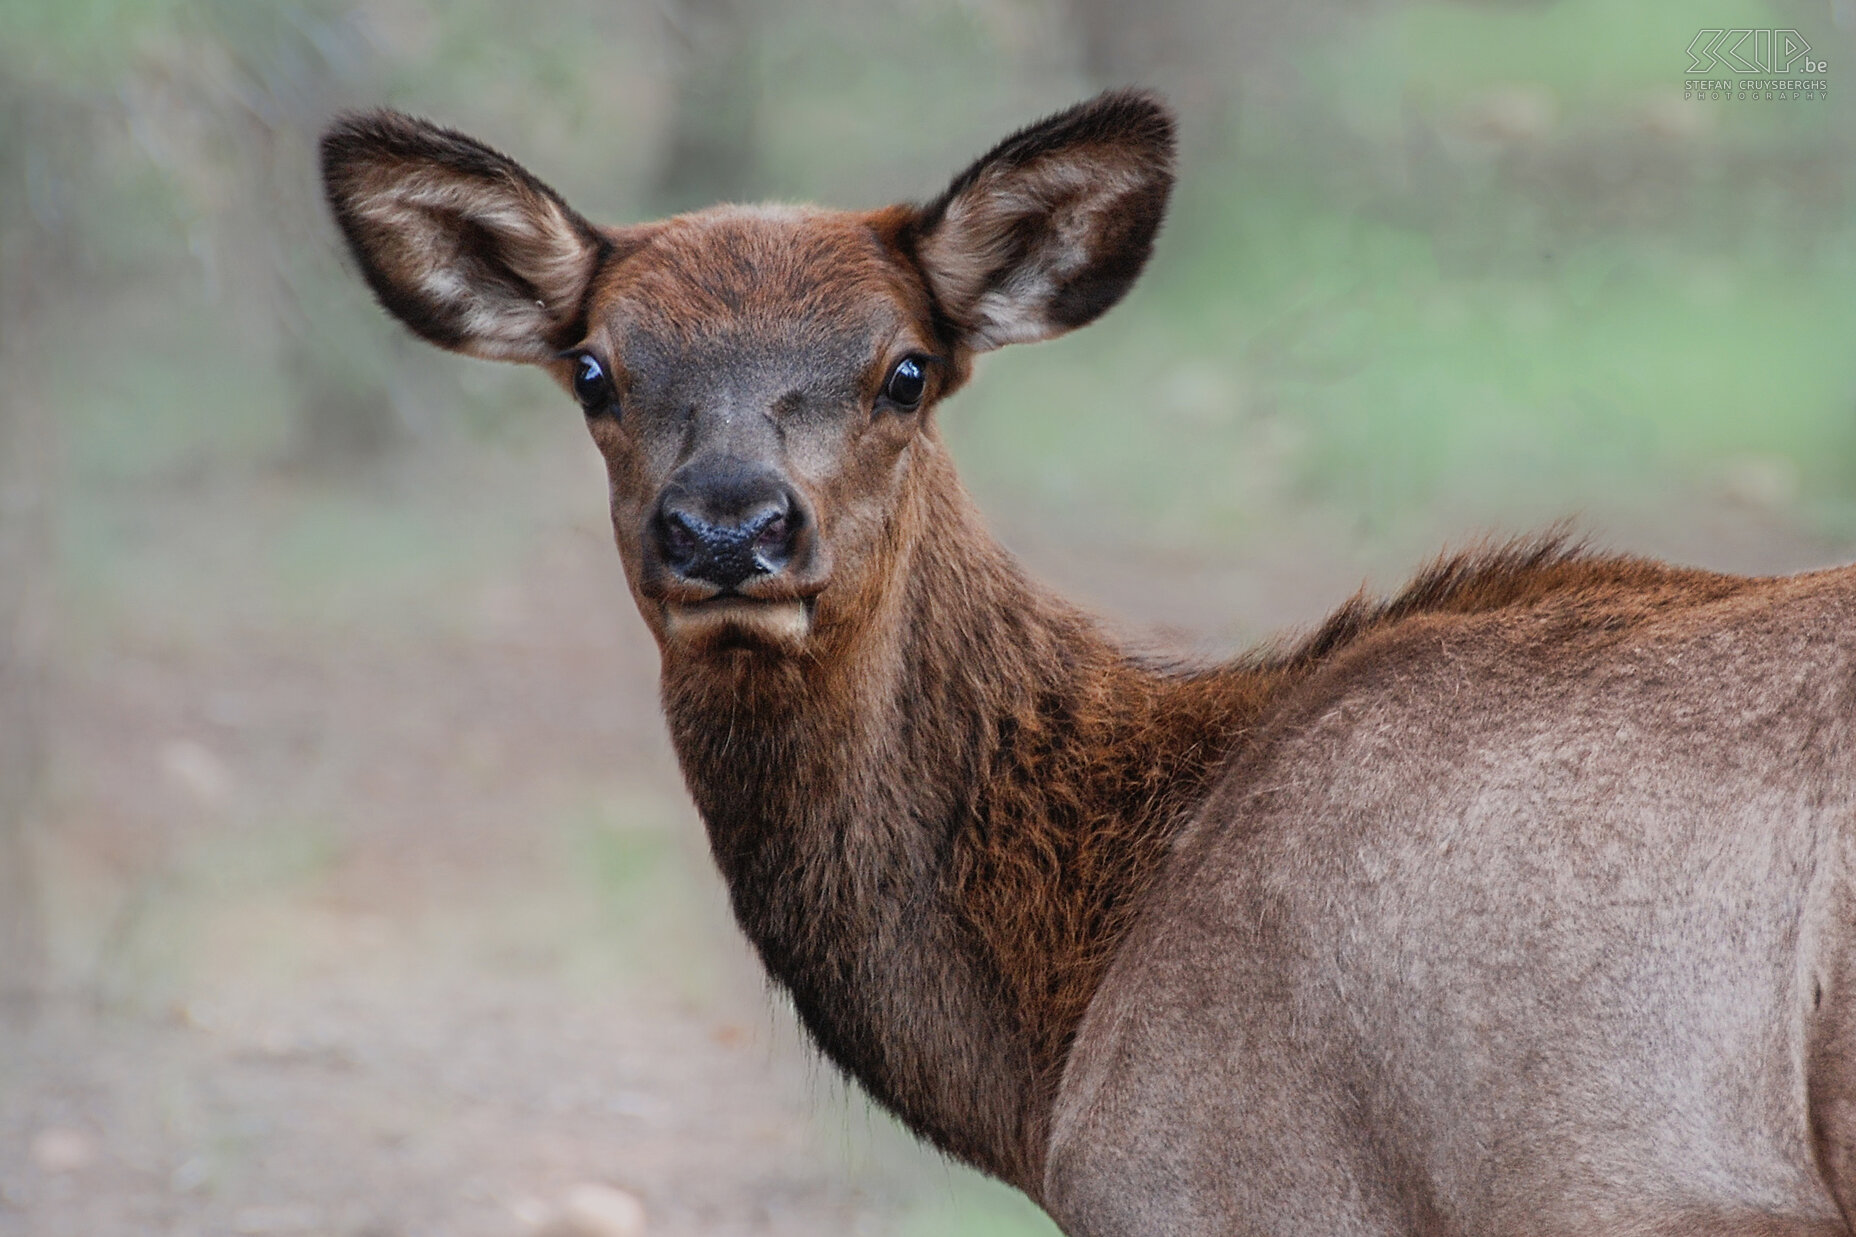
x=732, y=543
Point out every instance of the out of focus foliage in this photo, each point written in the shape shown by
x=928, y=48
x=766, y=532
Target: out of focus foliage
x=1477, y=259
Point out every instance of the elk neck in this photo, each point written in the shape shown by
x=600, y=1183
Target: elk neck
x=937, y=830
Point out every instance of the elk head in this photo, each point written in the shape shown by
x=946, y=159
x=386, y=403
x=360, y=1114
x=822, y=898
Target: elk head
x=758, y=378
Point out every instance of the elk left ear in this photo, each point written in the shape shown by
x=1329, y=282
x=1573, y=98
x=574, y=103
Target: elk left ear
x=1050, y=227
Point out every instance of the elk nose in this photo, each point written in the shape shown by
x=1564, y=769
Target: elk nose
x=727, y=543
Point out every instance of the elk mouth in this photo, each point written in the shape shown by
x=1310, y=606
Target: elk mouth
x=785, y=622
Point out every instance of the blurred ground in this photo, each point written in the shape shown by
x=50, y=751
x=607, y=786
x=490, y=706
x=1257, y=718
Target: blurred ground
x=347, y=886
x=406, y=928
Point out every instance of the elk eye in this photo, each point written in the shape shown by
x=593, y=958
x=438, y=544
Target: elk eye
x=592, y=386
x=907, y=382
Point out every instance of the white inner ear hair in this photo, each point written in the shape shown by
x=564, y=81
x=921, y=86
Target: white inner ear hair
x=969, y=256
x=418, y=214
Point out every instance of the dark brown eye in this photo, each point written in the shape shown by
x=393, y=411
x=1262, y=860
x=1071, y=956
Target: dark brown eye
x=592, y=386
x=907, y=382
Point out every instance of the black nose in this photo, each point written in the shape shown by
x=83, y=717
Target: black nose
x=727, y=529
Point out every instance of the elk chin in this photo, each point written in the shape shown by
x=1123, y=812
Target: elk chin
x=733, y=621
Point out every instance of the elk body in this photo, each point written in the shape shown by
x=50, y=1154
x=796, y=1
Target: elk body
x=1521, y=903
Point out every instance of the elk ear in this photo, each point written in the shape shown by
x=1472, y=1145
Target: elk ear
x=1051, y=226
x=459, y=242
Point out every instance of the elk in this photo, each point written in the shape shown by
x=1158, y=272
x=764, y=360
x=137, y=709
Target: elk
x=1522, y=902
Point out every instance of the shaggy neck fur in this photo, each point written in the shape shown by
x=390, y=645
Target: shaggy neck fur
x=937, y=830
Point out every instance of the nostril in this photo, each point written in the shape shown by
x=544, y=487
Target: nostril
x=681, y=540
x=772, y=535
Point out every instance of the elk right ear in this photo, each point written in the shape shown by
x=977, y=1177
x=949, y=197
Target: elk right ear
x=459, y=242
x=1051, y=227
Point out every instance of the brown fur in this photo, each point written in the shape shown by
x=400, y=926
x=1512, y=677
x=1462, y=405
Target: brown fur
x=1102, y=925
x=1086, y=787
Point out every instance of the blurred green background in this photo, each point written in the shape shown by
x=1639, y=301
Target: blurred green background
x=336, y=825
